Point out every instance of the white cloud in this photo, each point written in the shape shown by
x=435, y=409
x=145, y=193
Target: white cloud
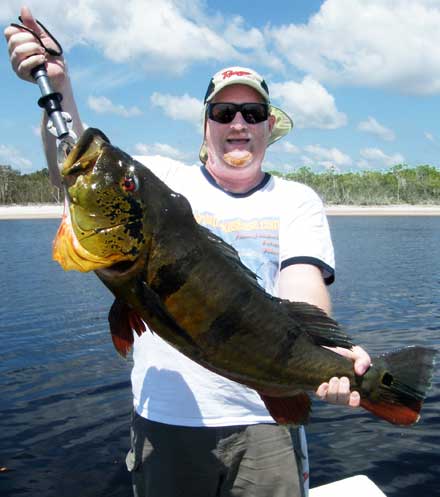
x=10, y=156
x=166, y=35
x=329, y=158
x=9, y=10
x=309, y=104
x=376, y=158
x=374, y=43
x=97, y=79
x=142, y=148
x=238, y=35
x=377, y=129
x=162, y=149
x=289, y=147
x=429, y=136
x=183, y=108
x=103, y=105
x=377, y=43
x=252, y=44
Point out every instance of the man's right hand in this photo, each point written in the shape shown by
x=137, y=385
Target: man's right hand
x=26, y=53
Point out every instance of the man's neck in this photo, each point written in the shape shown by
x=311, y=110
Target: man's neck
x=236, y=180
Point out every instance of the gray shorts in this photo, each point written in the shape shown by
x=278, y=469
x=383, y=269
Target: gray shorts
x=233, y=461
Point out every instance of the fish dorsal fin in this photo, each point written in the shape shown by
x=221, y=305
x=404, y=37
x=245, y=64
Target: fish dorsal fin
x=289, y=410
x=229, y=252
x=123, y=320
x=321, y=328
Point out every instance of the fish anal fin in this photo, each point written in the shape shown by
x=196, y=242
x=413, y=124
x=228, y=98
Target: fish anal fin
x=288, y=410
x=394, y=413
x=123, y=320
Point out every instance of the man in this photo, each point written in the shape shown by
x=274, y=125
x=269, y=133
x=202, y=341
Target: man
x=195, y=433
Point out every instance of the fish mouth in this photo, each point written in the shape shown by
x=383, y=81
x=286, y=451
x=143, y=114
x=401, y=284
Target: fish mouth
x=84, y=155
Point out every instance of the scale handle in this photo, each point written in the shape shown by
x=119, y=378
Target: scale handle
x=50, y=100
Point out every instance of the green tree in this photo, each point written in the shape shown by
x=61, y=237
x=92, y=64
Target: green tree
x=400, y=184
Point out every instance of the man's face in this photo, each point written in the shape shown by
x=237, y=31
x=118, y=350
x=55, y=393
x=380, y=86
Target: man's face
x=236, y=138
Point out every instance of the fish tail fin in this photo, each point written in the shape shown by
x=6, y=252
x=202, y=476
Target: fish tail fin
x=399, y=383
x=123, y=320
x=321, y=328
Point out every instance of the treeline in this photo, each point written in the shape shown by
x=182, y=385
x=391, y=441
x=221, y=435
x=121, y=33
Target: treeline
x=399, y=185
x=17, y=188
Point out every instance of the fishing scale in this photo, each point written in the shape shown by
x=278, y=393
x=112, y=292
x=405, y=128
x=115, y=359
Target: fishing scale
x=59, y=123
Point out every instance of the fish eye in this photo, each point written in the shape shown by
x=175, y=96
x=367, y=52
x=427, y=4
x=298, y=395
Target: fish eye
x=130, y=184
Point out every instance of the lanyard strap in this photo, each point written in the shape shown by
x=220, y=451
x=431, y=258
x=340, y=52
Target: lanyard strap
x=49, y=50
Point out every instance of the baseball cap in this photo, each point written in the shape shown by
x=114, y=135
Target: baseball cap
x=236, y=75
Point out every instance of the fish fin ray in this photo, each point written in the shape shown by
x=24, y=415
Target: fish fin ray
x=405, y=380
x=404, y=415
x=123, y=320
x=229, y=252
x=288, y=410
x=322, y=329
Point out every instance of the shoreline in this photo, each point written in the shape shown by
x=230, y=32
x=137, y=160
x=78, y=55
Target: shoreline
x=54, y=211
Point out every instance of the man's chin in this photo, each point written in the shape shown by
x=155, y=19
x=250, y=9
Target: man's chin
x=238, y=158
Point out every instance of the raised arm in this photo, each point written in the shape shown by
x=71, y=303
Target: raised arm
x=25, y=54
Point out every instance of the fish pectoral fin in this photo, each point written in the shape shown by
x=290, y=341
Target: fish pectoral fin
x=123, y=320
x=288, y=410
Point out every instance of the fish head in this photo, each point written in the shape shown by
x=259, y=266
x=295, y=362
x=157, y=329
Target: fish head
x=103, y=217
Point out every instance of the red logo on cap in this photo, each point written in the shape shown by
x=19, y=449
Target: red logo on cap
x=228, y=74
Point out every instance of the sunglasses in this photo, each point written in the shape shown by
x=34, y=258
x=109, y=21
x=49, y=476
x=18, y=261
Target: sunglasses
x=224, y=112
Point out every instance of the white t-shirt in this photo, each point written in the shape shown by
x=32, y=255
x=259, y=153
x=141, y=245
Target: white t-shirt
x=277, y=224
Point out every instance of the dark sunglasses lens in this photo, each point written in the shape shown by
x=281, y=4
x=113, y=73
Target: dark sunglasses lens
x=224, y=113
x=254, y=113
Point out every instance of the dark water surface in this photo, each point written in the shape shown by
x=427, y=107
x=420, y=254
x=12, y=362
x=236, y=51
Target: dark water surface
x=65, y=394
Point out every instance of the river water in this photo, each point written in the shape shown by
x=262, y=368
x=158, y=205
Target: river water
x=65, y=394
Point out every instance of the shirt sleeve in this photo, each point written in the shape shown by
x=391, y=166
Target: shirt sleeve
x=304, y=233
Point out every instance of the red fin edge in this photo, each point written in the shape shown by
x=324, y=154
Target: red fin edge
x=123, y=320
x=394, y=413
x=288, y=410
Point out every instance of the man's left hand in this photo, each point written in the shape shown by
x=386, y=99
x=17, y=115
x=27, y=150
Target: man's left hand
x=337, y=390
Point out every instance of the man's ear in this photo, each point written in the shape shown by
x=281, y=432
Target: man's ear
x=271, y=120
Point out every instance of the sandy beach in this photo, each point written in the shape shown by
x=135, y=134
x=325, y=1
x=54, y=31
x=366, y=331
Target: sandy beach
x=31, y=211
x=53, y=211
x=380, y=210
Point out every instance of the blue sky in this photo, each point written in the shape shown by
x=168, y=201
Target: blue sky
x=360, y=78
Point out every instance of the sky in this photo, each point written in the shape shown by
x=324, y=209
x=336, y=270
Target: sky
x=359, y=78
